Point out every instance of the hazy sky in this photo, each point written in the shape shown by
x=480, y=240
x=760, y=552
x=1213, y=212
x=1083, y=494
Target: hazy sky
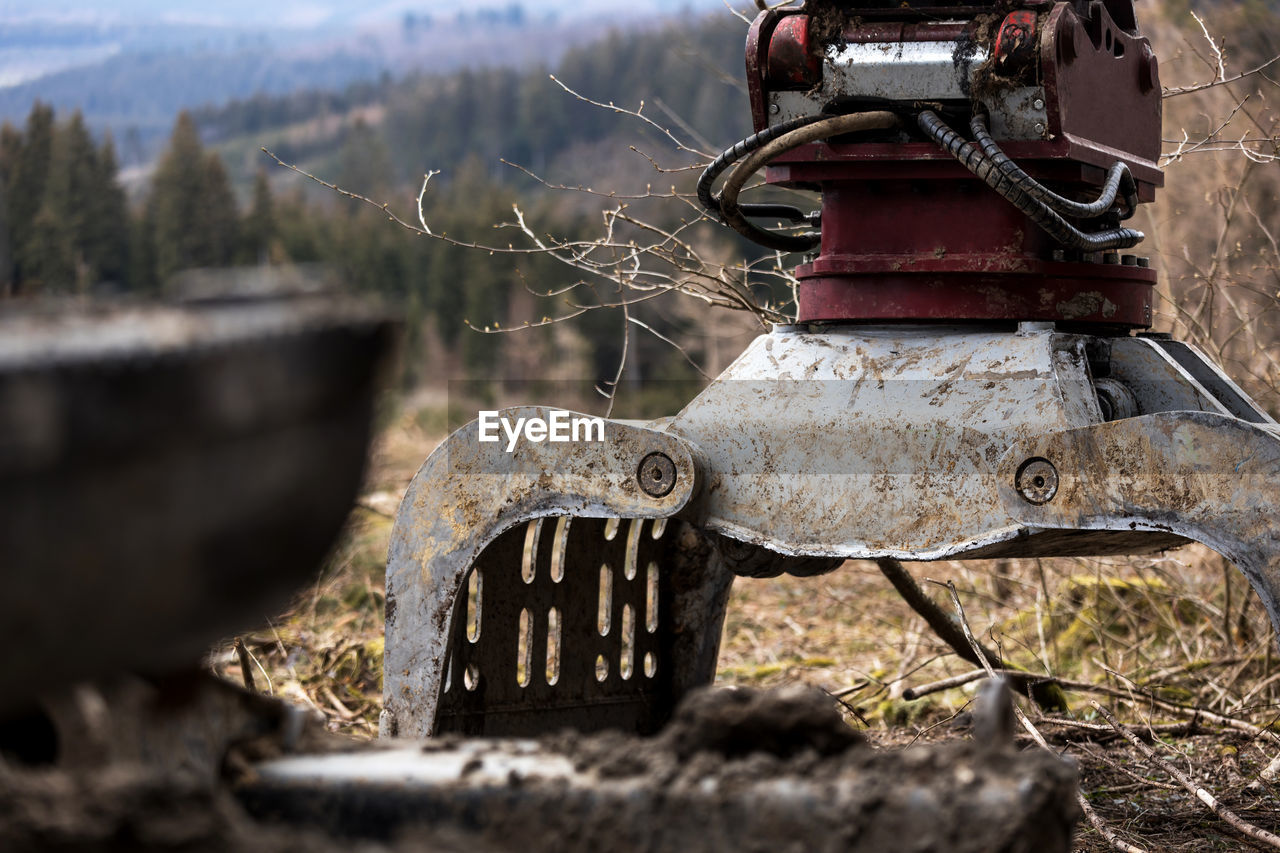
x=308, y=13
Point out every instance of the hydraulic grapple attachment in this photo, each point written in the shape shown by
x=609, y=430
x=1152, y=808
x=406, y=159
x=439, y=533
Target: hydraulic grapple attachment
x=967, y=378
x=519, y=602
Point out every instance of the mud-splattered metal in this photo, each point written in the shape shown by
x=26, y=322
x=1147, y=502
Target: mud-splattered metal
x=851, y=442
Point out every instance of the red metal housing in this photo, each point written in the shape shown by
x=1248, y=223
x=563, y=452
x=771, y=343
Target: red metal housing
x=909, y=234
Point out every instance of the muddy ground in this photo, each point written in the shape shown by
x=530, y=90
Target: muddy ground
x=737, y=769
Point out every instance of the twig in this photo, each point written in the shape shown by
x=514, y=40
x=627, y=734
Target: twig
x=1098, y=824
x=952, y=634
x=1131, y=695
x=1210, y=801
x=1120, y=768
x=638, y=113
x=246, y=668
x=1097, y=728
x=343, y=711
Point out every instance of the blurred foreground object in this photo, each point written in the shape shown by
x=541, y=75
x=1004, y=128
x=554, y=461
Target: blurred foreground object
x=169, y=474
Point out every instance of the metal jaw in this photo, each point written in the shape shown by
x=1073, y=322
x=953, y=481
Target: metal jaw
x=920, y=443
x=470, y=509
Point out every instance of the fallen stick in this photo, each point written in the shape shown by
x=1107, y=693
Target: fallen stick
x=1256, y=833
x=246, y=668
x=1097, y=822
x=1046, y=695
x=1088, y=687
x=1166, y=729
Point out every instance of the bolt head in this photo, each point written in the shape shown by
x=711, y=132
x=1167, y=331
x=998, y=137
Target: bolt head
x=1039, y=127
x=1038, y=104
x=1037, y=481
x=775, y=109
x=657, y=475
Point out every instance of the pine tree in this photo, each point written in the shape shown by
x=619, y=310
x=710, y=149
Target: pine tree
x=219, y=220
x=52, y=257
x=174, y=205
x=27, y=183
x=365, y=163
x=108, y=238
x=10, y=147
x=258, y=231
x=192, y=210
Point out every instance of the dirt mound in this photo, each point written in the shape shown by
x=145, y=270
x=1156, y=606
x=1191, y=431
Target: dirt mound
x=740, y=770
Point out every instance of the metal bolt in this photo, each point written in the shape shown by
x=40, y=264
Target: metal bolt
x=1038, y=127
x=657, y=475
x=1111, y=258
x=1058, y=255
x=1038, y=103
x=1037, y=481
x=1129, y=260
x=1144, y=263
x=775, y=108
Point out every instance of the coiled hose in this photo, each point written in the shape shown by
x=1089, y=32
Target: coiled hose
x=1019, y=192
x=1119, y=180
x=761, y=152
x=727, y=158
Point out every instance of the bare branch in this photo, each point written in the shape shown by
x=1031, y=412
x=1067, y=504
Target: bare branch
x=1211, y=802
x=636, y=113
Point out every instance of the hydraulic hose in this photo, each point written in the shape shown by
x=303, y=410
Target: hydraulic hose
x=727, y=158
x=1119, y=180
x=1039, y=212
x=734, y=215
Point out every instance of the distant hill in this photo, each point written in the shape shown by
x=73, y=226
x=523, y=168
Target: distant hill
x=684, y=73
x=130, y=70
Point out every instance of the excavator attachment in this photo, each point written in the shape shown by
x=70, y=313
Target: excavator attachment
x=534, y=590
x=583, y=585
x=968, y=376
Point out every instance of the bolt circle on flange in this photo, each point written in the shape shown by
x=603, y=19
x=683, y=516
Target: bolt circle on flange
x=1037, y=481
x=657, y=475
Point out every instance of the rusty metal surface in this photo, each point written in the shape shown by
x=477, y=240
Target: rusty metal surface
x=170, y=474
x=469, y=492
x=1204, y=476
x=1103, y=85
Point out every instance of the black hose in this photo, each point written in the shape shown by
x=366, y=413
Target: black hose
x=986, y=170
x=732, y=155
x=734, y=215
x=1118, y=180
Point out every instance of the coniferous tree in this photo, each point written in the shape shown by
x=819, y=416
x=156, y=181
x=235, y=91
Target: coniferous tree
x=10, y=146
x=258, y=232
x=27, y=182
x=49, y=256
x=192, y=210
x=176, y=197
x=108, y=237
x=220, y=220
